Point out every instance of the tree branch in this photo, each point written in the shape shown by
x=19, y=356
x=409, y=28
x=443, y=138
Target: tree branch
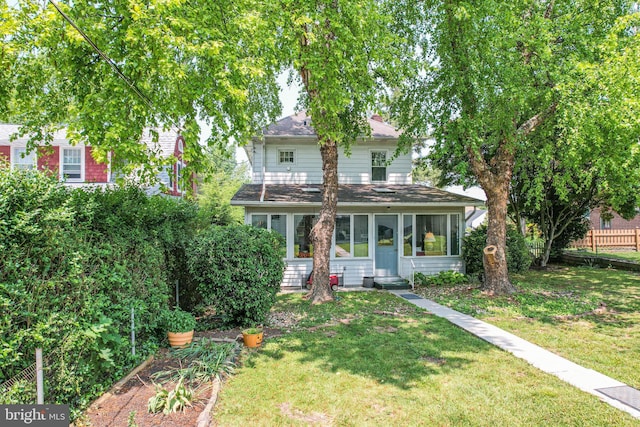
x=530, y=125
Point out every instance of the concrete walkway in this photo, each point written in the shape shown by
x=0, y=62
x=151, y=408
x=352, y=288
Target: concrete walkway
x=623, y=397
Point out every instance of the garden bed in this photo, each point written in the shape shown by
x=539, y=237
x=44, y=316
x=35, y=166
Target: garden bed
x=127, y=402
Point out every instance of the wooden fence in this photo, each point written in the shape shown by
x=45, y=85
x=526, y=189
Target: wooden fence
x=615, y=239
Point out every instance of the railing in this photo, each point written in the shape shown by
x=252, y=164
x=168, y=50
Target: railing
x=536, y=248
x=413, y=275
x=620, y=239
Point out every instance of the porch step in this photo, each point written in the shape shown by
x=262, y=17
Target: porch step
x=391, y=283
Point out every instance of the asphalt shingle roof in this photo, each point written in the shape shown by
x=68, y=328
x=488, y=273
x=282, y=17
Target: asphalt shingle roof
x=352, y=194
x=300, y=124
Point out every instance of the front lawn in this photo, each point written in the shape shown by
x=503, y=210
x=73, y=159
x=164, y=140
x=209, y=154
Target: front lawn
x=590, y=316
x=373, y=359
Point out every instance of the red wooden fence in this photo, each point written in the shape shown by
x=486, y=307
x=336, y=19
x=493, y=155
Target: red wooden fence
x=620, y=239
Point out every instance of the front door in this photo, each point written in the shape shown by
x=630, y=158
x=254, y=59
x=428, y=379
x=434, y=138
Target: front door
x=386, y=235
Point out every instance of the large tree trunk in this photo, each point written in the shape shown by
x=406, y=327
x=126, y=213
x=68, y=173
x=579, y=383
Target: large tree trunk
x=496, y=280
x=495, y=178
x=323, y=230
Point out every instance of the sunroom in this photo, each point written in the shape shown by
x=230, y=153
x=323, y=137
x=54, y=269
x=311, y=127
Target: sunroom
x=380, y=234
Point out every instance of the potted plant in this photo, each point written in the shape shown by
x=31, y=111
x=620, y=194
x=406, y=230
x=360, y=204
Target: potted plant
x=180, y=325
x=252, y=337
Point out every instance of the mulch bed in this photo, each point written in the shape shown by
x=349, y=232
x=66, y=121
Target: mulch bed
x=128, y=400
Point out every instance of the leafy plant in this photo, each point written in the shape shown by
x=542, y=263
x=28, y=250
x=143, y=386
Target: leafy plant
x=201, y=361
x=131, y=421
x=518, y=256
x=169, y=401
x=441, y=279
x=178, y=320
x=238, y=270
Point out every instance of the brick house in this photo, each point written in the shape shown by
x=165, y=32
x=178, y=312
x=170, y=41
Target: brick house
x=615, y=223
x=76, y=165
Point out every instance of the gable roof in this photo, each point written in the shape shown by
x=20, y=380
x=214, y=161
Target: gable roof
x=350, y=195
x=301, y=124
x=167, y=140
x=7, y=130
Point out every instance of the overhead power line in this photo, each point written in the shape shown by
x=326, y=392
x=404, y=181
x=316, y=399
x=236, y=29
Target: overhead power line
x=118, y=71
x=104, y=56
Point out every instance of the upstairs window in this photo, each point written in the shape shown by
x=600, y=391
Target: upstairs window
x=378, y=165
x=605, y=224
x=72, y=164
x=23, y=160
x=179, y=178
x=286, y=157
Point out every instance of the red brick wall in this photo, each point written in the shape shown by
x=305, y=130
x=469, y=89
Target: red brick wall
x=5, y=153
x=617, y=222
x=49, y=159
x=94, y=171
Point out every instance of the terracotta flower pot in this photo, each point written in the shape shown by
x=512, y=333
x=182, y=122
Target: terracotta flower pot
x=180, y=339
x=252, y=340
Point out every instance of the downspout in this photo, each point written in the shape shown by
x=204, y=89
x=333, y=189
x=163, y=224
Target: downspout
x=475, y=208
x=264, y=170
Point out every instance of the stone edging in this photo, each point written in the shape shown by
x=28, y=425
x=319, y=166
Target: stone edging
x=600, y=261
x=204, y=419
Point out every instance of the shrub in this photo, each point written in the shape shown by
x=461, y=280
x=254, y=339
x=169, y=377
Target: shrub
x=443, y=278
x=74, y=263
x=238, y=270
x=518, y=256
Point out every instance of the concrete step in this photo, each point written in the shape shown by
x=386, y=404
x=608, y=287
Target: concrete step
x=391, y=283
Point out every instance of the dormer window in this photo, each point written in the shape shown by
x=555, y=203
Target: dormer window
x=286, y=157
x=378, y=166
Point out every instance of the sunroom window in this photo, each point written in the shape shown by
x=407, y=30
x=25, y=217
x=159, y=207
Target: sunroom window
x=431, y=235
x=352, y=236
x=302, y=245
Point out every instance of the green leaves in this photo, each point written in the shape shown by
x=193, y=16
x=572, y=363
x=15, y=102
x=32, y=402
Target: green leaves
x=238, y=270
x=187, y=59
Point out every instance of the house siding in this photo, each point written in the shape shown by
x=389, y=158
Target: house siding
x=5, y=153
x=94, y=171
x=353, y=169
x=49, y=159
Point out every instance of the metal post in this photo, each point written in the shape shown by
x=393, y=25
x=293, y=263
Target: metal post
x=177, y=294
x=39, y=378
x=133, y=332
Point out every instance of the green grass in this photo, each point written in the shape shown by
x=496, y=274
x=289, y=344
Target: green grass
x=349, y=363
x=627, y=256
x=588, y=315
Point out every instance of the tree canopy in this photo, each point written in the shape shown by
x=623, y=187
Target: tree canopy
x=496, y=72
x=152, y=64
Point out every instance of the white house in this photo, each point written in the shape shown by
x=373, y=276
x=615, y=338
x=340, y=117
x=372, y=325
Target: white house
x=385, y=226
